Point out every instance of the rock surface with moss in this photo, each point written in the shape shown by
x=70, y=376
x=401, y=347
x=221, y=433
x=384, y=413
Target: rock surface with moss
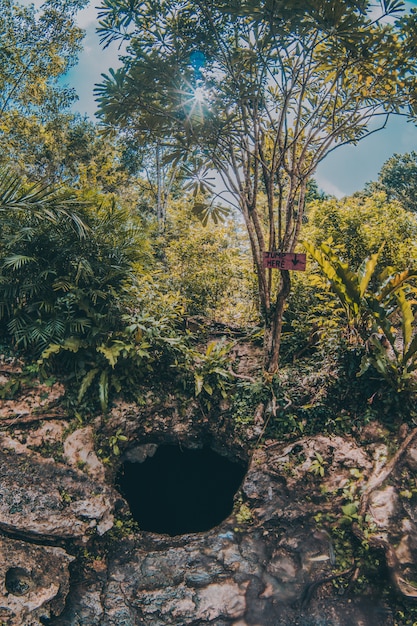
x=323, y=526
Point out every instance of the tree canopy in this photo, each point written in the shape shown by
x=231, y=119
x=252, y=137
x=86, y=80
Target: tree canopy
x=398, y=179
x=261, y=93
x=37, y=47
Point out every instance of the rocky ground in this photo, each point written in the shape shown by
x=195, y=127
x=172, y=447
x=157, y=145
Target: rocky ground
x=71, y=556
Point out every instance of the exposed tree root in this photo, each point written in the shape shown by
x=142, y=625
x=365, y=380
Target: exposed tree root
x=30, y=418
x=380, y=540
x=380, y=475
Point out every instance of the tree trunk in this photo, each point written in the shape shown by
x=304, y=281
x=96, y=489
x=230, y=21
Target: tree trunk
x=273, y=325
x=159, y=208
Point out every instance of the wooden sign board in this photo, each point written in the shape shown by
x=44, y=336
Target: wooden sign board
x=285, y=261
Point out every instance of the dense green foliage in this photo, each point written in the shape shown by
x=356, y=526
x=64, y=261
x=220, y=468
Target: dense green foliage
x=96, y=290
x=370, y=309
x=354, y=228
x=122, y=276
x=36, y=49
x=61, y=271
x=82, y=289
x=65, y=148
x=333, y=335
x=261, y=93
x=208, y=267
x=357, y=226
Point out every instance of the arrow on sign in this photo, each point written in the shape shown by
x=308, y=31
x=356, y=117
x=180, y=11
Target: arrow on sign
x=285, y=261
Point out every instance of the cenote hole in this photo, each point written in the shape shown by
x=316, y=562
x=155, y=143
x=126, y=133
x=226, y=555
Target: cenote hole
x=17, y=581
x=180, y=491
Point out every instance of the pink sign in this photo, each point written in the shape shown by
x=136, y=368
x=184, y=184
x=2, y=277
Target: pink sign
x=285, y=261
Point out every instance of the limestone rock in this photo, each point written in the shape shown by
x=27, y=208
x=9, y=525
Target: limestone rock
x=392, y=519
x=29, y=398
x=35, y=582
x=224, y=599
x=269, y=563
x=79, y=452
x=40, y=498
x=268, y=568
x=383, y=506
x=49, y=433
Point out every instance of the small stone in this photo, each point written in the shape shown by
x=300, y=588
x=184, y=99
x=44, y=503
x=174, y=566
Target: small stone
x=139, y=454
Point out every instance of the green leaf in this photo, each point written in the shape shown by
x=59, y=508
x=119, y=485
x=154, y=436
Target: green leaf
x=392, y=284
x=54, y=348
x=393, y=6
x=199, y=381
x=205, y=212
x=44, y=202
x=208, y=388
x=103, y=387
x=407, y=319
x=113, y=351
x=368, y=269
x=411, y=353
x=364, y=365
x=350, y=509
x=17, y=261
x=72, y=344
x=86, y=382
x=343, y=281
x=211, y=346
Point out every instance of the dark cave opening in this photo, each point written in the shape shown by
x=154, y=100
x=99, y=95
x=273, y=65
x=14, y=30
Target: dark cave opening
x=179, y=490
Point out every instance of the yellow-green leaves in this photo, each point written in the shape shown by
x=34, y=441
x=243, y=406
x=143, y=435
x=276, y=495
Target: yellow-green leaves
x=212, y=371
x=366, y=271
x=381, y=314
x=37, y=48
x=205, y=211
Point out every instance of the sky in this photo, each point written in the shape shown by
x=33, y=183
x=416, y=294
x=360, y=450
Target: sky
x=343, y=172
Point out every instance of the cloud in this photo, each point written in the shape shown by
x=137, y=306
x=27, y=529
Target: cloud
x=328, y=186
x=87, y=16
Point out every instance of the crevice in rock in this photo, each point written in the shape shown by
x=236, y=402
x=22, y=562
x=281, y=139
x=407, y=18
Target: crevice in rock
x=179, y=490
x=36, y=540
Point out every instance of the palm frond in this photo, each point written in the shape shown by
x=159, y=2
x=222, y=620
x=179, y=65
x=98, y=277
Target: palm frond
x=42, y=201
x=17, y=261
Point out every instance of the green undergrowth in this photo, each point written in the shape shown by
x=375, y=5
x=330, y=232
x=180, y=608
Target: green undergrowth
x=314, y=396
x=371, y=577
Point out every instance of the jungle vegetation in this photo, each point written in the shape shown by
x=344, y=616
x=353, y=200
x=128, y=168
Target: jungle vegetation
x=124, y=267
x=131, y=246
